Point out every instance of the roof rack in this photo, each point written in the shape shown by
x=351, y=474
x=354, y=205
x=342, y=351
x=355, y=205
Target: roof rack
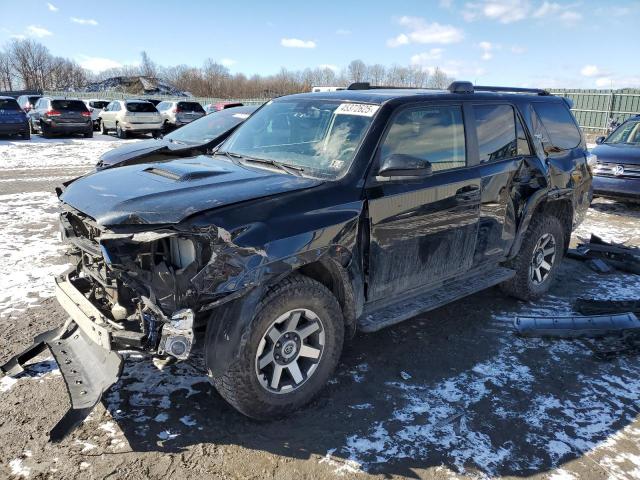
x=537, y=91
x=462, y=87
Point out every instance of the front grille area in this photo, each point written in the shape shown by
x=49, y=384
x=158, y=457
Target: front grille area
x=617, y=170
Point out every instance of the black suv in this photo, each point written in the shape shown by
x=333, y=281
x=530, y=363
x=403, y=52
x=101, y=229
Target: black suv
x=323, y=213
x=51, y=116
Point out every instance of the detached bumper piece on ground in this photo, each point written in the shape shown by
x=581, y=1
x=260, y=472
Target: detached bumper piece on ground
x=603, y=257
x=87, y=368
x=609, y=328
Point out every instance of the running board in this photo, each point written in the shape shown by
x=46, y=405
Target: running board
x=374, y=319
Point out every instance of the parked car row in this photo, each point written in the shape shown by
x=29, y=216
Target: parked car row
x=54, y=115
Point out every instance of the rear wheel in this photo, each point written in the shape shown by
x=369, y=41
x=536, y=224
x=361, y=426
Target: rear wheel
x=26, y=135
x=45, y=130
x=537, y=263
x=120, y=133
x=293, y=348
x=89, y=133
x=103, y=128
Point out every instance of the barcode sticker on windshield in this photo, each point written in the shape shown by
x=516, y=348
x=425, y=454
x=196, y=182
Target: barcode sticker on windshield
x=241, y=115
x=362, y=109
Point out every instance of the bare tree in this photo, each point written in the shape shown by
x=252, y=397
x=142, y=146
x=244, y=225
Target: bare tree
x=357, y=71
x=6, y=72
x=439, y=79
x=147, y=67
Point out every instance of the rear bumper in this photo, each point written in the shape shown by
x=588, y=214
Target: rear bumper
x=71, y=127
x=142, y=127
x=13, y=128
x=617, y=187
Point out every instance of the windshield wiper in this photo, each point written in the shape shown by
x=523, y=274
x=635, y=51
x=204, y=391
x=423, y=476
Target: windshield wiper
x=285, y=167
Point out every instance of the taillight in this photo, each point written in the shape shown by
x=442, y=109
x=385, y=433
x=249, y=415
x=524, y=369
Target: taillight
x=86, y=114
x=53, y=113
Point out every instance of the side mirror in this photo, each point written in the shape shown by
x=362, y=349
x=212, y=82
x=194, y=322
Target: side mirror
x=399, y=166
x=600, y=140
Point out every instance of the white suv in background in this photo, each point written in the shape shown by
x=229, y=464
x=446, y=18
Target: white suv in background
x=178, y=113
x=95, y=106
x=130, y=116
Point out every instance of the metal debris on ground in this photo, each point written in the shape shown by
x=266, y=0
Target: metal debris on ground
x=616, y=255
x=589, y=306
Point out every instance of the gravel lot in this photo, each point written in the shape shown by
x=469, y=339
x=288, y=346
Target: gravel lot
x=446, y=395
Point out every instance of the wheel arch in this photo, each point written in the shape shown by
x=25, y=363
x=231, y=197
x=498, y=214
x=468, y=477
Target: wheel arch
x=539, y=203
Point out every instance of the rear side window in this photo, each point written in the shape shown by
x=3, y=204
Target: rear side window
x=33, y=100
x=190, y=107
x=500, y=133
x=435, y=134
x=9, y=104
x=141, y=107
x=496, y=127
x=563, y=134
x=69, y=106
x=99, y=104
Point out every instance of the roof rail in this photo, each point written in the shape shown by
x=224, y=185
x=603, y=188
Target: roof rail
x=537, y=91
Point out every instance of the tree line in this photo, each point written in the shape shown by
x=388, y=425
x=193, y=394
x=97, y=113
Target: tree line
x=27, y=64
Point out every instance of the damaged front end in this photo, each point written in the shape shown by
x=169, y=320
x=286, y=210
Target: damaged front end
x=139, y=289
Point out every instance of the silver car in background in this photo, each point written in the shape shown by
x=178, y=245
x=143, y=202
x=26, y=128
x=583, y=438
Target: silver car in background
x=130, y=116
x=178, y=113
x=95, y=106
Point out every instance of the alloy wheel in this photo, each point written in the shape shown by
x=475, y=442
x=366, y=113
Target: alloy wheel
x=544, y=254
x=290, y=351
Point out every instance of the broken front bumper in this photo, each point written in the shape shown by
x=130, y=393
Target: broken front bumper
x=82, y=349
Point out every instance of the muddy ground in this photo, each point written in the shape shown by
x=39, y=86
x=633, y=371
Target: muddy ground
x=446, y=395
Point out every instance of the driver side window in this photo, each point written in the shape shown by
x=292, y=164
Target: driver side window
x=432, y=133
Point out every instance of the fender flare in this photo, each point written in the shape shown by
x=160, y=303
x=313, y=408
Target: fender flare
x=537, y=199
x=229, y=325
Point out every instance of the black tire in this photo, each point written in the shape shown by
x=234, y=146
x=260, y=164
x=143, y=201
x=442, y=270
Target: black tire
x=103, y=128
x=45, y=130
x=26, y=135
x=522, y=285
x=31, y=129
x=240, y=385
x=89, y=134
x=120, y=133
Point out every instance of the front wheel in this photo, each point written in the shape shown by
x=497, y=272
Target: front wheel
x=294, y=345
x=103, y=128
x=537, y=263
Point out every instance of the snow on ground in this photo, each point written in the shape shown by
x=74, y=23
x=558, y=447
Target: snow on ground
x=30, y=252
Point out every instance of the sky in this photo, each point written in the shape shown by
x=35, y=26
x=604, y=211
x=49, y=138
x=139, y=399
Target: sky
x=579, y=44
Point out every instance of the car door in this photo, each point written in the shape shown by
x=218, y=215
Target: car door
x=105, y=115
x=505, y=156
x=423, y=231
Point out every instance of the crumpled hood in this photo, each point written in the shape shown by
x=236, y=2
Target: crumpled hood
x=623, y=154
x=168, y=192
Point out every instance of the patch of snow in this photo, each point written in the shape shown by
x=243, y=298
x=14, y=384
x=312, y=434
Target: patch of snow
x=341, y=467
x=167, y=435
x=188, y=421
x=161, y=417
x=361, y=406
x=562, y=474
x=405, y=376
x=86, y=446
x=18, y=468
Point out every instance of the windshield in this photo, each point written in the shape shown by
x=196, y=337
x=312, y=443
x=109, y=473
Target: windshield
x=98, y=104
x=320, y=136
x=190, y=107
x=141, y=107
x=628, y=132
x=69, y=106
x=210, y=127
